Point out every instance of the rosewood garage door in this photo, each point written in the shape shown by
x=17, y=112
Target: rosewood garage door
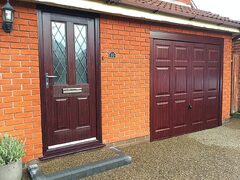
x=69, y=83
x=185, y=84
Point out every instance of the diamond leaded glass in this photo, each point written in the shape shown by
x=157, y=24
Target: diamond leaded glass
x=59, y=52
x=80, y=35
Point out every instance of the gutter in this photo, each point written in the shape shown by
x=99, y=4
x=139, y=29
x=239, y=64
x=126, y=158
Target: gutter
x=129, y=11
x=235, y=38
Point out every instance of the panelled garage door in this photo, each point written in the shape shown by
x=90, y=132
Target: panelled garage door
x=185, y=84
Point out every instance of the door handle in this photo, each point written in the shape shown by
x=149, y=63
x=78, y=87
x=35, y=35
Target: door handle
x=190, y=106
x=47, y=76
x=47, y=79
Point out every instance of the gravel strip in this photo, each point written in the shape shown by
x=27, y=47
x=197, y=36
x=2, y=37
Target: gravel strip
x=211, y=154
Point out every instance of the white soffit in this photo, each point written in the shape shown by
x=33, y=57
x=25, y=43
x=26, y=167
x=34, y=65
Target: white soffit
x=101, y=7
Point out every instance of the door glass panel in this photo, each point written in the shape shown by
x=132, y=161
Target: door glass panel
x=80, y=36
x=59, y=52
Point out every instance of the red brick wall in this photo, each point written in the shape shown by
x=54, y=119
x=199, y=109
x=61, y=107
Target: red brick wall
x=236, y=57
x=19, y=80
x=126, y=79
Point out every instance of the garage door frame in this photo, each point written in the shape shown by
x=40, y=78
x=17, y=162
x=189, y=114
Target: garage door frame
x=160, y=35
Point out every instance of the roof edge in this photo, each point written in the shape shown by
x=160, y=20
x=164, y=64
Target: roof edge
x=192, y=16
x=129, y=11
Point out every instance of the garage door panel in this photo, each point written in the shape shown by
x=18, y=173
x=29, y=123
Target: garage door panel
x=163, y=52
x=181, y=52
x=212, y=78
x=213, y=53
x=211, y=108
x=163, y=122
x=198, y=54
x=198, y=110
x=198, y=79
x=163, y=76
x=180, y=79
x=179, y=116
x=197, y=114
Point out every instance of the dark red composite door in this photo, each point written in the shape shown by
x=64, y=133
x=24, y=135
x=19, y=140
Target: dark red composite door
x=185, y=95
x=69, y=83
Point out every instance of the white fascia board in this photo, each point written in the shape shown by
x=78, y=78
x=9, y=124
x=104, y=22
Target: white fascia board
x=101, y=7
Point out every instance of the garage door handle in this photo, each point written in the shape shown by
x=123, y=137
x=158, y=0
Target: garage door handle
x=189, y=106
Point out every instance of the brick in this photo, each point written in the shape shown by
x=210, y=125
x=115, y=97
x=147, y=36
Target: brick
x=4, y=70
x=23, y=126
x=14, y=122
x=12, y=99
x=27, y=16
x=29, y=40
x=33, y=23
x=20, y=33
x=5, y=57
x=19, y=46
x=20, y=69
x=24, y=115
x=6, y=128
x=29, y=52
x=23, y=104
x=12, y=110
x=30, y=75
x=4, y=44
x=9, y=64
x=9, y=51
x=22, y=93
x=21, y=81
x=5, y=93
x=28, y=28
x=20, y=58
x=11, y=87
x=21, y=22
x=5, y=105
x=9, y=39
x=30, y=64
x=10, y=75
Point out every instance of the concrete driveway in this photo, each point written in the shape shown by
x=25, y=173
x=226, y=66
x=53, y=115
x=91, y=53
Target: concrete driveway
x=210, y=154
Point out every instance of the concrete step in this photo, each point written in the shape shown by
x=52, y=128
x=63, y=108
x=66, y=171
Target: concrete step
x=84, y=170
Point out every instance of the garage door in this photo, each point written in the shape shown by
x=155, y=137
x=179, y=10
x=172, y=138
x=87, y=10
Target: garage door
x=185, y=84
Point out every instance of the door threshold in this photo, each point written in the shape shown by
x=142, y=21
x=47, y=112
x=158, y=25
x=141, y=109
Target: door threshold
x=53, y=153
x=72, y=143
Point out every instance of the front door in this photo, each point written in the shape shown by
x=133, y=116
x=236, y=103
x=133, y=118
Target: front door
x=68, y=83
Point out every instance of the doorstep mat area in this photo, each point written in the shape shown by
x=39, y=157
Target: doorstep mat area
x=71, y=161
x=79, y=165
